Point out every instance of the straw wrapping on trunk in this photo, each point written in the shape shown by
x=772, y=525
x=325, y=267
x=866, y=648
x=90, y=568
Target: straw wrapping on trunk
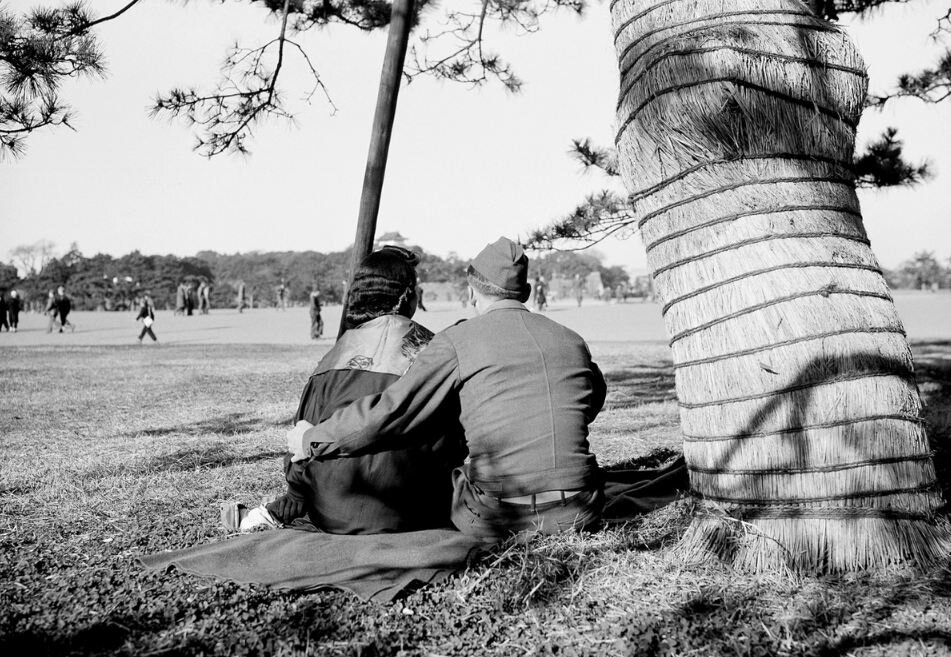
x=798, y=403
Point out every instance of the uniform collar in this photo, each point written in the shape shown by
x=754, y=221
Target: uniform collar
x=505, y=304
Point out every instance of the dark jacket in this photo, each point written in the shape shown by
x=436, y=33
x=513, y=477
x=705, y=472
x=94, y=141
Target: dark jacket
x=524, y=389
x=145, y=310
x=401, y=490
x=63, y=305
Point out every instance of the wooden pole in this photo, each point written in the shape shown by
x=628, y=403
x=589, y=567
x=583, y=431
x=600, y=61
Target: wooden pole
x=400, y=23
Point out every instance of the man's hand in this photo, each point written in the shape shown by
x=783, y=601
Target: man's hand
x=297, y=443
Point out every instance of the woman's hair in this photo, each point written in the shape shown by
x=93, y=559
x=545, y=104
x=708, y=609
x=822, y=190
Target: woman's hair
x=384, y=284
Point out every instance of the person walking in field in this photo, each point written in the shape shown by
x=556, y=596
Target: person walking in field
x=63, y=306
x=51, y=312
x=406, y=488
x=4, y=324
x=180, y=294
x=419, y=295
x=147, y=316
x=203, y=297
x=316, y=322
x=541, y=294
x=14, y=306
x=241, y=299
x=524, y=390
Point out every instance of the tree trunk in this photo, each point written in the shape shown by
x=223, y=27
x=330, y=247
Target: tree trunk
x=799, y=407
x=401, y=22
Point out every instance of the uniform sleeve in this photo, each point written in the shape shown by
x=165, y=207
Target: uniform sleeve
x=386, y=420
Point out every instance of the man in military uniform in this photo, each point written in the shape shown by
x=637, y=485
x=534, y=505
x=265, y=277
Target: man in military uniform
x=523, y=388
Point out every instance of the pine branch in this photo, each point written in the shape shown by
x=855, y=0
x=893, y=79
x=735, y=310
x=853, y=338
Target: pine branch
x=37, y=53
x=831, y=9
x=466, y=58
x=931, y=85
x=883, y=164
x=590, y=156
x=598, y=217
x=247, y=94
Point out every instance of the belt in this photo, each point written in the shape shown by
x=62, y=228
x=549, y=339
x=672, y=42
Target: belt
x=544, y=497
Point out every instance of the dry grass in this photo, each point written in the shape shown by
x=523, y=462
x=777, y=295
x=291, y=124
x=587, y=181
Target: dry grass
x=109, y=452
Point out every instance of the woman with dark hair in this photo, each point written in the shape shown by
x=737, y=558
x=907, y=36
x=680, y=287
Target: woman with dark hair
x=401, y=490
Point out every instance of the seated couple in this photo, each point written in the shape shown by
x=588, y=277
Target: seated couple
x=386, y=419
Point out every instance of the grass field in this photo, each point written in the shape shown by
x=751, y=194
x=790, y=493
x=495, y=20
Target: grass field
x=110, y=450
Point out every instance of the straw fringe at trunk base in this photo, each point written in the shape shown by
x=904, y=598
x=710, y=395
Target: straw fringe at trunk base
x=814, y=545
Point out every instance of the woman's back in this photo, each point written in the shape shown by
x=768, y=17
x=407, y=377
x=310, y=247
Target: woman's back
x=399, y=490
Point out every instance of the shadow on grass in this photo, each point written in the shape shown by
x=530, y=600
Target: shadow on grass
x=848, y=645
x=641, y=384
x=184, y=460
x=216, y=456
x=228, y=424
x=103, y=637
x=820, y=624
x=933, y=372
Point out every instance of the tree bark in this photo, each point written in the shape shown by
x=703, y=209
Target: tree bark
x=401, y=17
x=799, y=407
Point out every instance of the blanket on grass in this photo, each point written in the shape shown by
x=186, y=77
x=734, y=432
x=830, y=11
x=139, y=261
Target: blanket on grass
x=373, y=566
x=379, y=567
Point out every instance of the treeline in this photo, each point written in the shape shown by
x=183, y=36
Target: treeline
x=107, y=283
x=102, y=282
x=923, y=271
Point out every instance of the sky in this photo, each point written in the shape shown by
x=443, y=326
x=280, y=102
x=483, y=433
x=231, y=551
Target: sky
x=465, y=165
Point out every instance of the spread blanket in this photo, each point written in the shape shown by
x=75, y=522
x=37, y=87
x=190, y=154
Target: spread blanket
x=379, y=566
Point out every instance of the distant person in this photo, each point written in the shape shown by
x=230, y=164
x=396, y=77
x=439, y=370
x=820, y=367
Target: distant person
x=63, y=305
x=241, y=299
x=419, y=295
x=579, y=289
x=51, y=312
x=4, y=324
x=405, y=489
x=191, y=298
x=147, y=315
x=282, y=295
x=180, y=294
x=541, y=293
x=14, y=306
x=203, y=297
x=316, y=322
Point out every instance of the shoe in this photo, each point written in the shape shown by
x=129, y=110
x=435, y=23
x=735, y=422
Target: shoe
x=239, y=518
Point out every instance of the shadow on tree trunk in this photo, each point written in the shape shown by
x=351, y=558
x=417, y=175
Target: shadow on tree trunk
x=819, y=479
